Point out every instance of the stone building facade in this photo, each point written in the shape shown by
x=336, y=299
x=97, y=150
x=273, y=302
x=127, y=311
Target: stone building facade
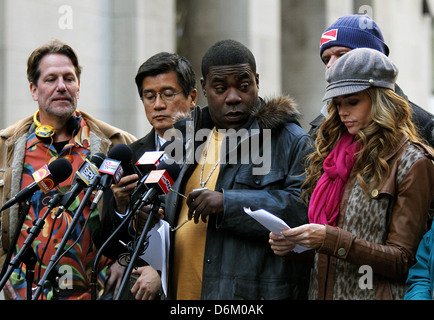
x=113, y=37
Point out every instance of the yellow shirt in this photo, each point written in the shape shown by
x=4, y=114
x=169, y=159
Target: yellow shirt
x=189, y=247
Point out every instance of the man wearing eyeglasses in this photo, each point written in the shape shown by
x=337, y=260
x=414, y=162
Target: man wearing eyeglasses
x=167, y=87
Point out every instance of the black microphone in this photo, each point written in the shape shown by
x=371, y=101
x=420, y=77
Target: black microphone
x=83, y=176
x=46, y=178
x=124, y=154
x=112, y=170
x=159, y=182
x=149, y=161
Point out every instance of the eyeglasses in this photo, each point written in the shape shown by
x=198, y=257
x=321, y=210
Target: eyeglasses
x=149, y=97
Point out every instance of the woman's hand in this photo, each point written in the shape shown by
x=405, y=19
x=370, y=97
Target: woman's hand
x=280, y=245
x=310, y=235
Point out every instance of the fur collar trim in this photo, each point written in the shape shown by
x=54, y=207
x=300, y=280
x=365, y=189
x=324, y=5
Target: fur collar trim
x=275, y=112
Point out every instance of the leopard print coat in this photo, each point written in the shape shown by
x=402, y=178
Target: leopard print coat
x=368, y=254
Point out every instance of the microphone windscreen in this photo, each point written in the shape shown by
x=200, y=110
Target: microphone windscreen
x=172, y=169
x=97, y=159
x=60, y=169
x=124, y=154
x=121, y=152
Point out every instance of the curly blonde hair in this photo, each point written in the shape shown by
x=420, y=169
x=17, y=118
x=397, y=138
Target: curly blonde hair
x=390, y=122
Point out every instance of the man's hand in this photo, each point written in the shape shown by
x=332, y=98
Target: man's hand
x=122, y=192
x=114, y=277
x=148, y=284
x=203, y=203
x=143, y=217
x=9, y=291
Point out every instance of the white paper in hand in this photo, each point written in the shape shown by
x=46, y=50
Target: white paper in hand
x=272, y=223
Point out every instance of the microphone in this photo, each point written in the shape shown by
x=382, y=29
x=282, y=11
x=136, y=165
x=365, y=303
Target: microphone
x=118, y=162
x=46, y=178
x=158, y=182
x=124, y=154
x=112, y=172
x=84, y=176
x=149, y=161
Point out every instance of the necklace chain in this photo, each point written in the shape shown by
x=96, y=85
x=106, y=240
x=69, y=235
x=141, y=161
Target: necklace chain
x=203, y=183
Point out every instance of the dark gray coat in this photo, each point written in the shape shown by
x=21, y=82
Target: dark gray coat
x=238, y=262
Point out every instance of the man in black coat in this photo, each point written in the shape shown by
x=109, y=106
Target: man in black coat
x=239, y=151
x=167, y=87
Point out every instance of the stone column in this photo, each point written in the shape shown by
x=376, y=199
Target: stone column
x=256, y=24
x=140, y=28
x=303, y=22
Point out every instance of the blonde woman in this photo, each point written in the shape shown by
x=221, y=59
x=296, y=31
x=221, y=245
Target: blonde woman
x=369, y=184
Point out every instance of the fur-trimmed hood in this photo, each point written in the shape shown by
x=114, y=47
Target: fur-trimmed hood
x=275, y=112
x=270, y=113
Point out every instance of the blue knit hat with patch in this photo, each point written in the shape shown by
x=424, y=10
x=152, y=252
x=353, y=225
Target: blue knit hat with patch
x=354, y=31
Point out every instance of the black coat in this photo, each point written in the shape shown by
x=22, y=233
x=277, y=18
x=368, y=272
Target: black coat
x=238, y=261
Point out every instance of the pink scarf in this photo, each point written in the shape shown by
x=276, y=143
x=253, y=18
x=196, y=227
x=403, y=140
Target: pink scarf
x=326, y=198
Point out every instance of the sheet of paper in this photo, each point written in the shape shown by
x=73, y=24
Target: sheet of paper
x=157, y=253
x=272, y=223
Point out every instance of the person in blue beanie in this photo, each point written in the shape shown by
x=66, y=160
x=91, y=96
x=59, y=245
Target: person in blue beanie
x=369, y=183
x=360, y=31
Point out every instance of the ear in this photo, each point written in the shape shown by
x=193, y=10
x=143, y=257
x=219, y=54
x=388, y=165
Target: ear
x=193, y=96
x=257, y=80
x=203, y=84
x=34, y=91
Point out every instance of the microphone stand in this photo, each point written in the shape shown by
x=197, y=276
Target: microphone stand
x=64, y=203
x=54, y=259
x=139, y=247
x=93, y=282
x=26, y=255
x=139, y=203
